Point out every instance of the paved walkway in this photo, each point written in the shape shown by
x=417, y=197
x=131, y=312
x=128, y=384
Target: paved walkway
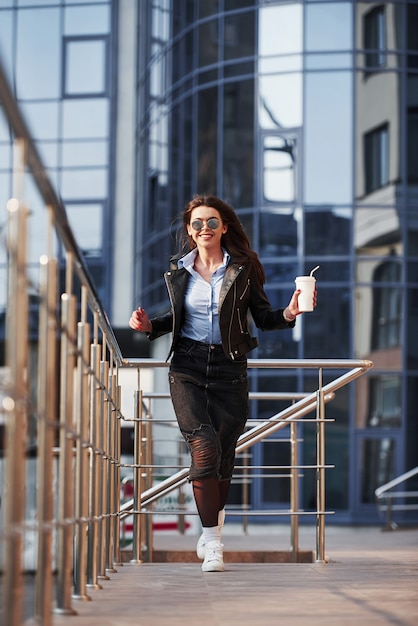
x=371, y=578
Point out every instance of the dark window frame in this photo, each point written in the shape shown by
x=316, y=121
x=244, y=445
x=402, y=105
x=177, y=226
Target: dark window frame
x=106, y=78
x=376, y=158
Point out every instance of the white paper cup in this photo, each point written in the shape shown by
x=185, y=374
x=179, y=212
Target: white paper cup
x=306, y=284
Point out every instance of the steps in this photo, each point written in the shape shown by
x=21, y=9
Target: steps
x=230, y=556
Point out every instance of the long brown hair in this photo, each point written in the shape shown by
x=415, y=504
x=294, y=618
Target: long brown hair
x=235, y=239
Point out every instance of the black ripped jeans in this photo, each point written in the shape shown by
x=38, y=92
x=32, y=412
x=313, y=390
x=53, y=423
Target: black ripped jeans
x=210, y=398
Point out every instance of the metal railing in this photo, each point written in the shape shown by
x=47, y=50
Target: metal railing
x=61, y=399
x=385, y=498
x=144, y=495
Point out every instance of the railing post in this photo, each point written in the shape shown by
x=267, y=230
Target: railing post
x=65, y=469
x=116, y=535
x=320, y=472
x=92, y=535
x=15, y=407
x=82, y=455
x=46, y=433
x=110, y=520
x=137, y=481
x=294, y=491
x=103, y=466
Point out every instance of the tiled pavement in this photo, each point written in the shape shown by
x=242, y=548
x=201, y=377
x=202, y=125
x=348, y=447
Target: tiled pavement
x=371, y=578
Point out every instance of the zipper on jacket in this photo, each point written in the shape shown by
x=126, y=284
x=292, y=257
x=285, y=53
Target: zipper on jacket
x=239, y=321
x=231, y=354
x=246, y=289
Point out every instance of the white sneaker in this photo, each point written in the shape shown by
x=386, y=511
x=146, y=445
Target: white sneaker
x=200, y=548
x=214, y=561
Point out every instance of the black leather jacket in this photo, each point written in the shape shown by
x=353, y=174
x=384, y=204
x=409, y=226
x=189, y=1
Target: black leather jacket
x=241, y=292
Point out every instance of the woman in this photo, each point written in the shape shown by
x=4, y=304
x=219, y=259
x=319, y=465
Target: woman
x=212, y=284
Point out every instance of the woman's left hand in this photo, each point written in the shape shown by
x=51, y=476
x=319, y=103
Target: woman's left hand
x=292, y=309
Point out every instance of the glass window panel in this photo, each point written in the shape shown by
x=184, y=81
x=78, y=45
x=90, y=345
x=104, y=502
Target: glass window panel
x=412, y=272
x=277, y=65
x=280, y=29
x=334, y=270
x=238, y=150
x=276, y=489
x=337, y=448
x=3, y=290
x=6, y=39
x=412, y=140
x=376, y=158
x=85, y=67
x=279, y=234
x=377, y=466
x=279, y=168
x=5, y=189
x=378, y=328
x=329, y=61
x=230, y=5
x=207, y=140
x=42, y=119
x=328, y=26
x=280, y=101
x=208, y=43
x=374, y=31
x=79, y=153
x=84, y=184
x=38, y=53
x=4, y=126
x=239, y=69
x=5, y=156
x=207, y=7
x=327, y=232
x=385, y=394
x=412, y=325
x=48, y=152
x=377, y=231
x=27, y=3
x=328, y=138
x=277, y=344
x=92, y=20
x=239, y=35
x=86, y=221
x=247, y=221
x=85, y=119
x=327, y=330
x=278, y=270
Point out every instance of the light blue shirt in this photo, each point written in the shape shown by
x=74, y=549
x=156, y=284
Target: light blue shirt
x=201, y=301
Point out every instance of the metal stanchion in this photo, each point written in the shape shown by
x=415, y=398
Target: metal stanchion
x=294, y=491
x=82, y=460
x=15, y=408
x=103, y=463
x=137, y=535
x=94, y=398
x=116, y=537
x=47, y=385
x=66, y=466
x=110, y=569
x=320, y=473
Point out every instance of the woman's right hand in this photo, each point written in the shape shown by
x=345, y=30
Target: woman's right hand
x=139, y=320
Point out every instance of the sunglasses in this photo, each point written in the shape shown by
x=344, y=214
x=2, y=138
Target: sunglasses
x=211, y=223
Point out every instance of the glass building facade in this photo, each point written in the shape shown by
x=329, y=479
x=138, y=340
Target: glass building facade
x=303, y=115
x=58, y=55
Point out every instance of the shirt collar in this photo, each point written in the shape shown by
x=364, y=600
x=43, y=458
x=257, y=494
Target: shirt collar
x=188, y=260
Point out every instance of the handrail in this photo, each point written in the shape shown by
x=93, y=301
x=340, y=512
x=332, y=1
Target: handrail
x=384, y=493
x=301, y=407
x=144, y=495
x=50, y=198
